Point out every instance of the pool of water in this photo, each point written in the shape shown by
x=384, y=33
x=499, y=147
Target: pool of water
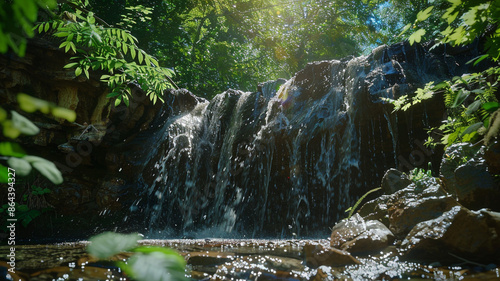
x=222, y=259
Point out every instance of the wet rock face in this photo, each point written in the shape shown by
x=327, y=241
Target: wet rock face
x=99, y=154
x=412, y=205
x=466, y=175
x=430, y=223
x=304, y=153
x=456, y=235
x=394, y=180
x=357, y=236
x=402, y=210
x=492, y=157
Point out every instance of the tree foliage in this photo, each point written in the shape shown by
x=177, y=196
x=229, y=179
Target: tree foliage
x=99, y=46
x=215, y=45
x=18, y=17
x=464, y=21
x=472, y=98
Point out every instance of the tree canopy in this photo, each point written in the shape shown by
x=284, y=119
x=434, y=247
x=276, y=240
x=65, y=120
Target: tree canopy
x=213, y=45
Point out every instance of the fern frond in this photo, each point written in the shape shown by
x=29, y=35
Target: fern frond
x=353, y=208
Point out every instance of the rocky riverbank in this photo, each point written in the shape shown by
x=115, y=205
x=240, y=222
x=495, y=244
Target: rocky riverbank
x=207, y=259
x=445, y=220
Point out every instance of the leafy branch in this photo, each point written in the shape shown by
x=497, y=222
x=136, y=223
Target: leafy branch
x=109, y=49
x=470, y=101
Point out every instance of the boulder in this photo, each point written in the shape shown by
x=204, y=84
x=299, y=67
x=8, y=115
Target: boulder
x=457, y=235
x=466, y=175
x=376, y=209
x=492, y=157
x=355, y=235
x=401, y=211
x=394, y=180
x=411, y=205
x=317, y=255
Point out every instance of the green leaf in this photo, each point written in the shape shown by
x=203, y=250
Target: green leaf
x=108, y=244
x=31, y=104
x=3, y=114
x=113, y=94
x=473, y=107
x=417, y=36
x=22, y=167
x=29, y=216
x=11, y=149
x=118, y=101
x=154, y=61
x=70, y=65
x=4, y=173
x=140, y=57
x=423, y=15
x=353, y=208
x=124, y=35
x=46, y=168
x=78, y=71
x=9, y=130
x=64, y=113
x=61, y=34
x=491, y=106
x=24, y=125
x=155, y=264
x=126, y=100
x=63, y=44
x=440, y=86
x=29, y=8
x=469, y=137
x=458, y=35
x=73, y=47
x=22, y=208
x=469, y=17
x=461, y=97
x=132, y=52
x=481, y=58
x=472, y=128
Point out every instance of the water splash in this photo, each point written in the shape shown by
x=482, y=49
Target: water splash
x=282, y=162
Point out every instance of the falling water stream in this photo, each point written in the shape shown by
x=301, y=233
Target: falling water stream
x=287, y=160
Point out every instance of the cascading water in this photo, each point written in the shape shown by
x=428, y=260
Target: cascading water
x=289, y=162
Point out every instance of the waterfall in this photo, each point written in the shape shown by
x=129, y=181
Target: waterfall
x=280, y=163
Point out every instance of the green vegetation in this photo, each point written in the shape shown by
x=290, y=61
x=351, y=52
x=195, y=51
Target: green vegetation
x=33, y=204
x=99, y=46
x=13, y=154
x=16, y=24
x=146, y=264
x=216, y=45
x=472, y=98
x=353, y=208
x=420, y=177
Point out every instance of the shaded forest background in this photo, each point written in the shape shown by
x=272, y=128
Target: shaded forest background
x=216, y=45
